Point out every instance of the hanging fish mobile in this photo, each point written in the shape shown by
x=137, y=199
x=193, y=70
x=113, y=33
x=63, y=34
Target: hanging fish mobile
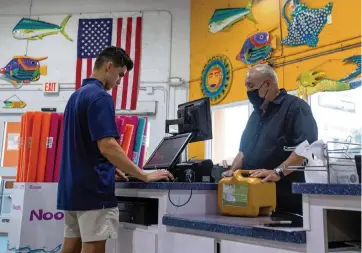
x=306, y=24
x=224, y=19
x=257, y=48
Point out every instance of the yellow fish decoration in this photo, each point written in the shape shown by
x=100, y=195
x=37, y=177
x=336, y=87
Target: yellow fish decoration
x=312, y=82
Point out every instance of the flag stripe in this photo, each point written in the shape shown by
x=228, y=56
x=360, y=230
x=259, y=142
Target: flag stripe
x=89, y=67
x=126, y=77
x=137, y=58
x=78, y=78
x=118, y=44
x=131, y=74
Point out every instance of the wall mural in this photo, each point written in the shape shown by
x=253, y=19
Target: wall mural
x=23, y=70
x=353, y=59
x=13, y=102
x=31, y=29
x=306, y=24
x=216, y=78
x=257, y=48
x=224, y=19
x=312, y=82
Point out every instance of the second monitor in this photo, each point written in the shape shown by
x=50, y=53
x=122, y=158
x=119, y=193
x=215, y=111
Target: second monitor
x=193, y=117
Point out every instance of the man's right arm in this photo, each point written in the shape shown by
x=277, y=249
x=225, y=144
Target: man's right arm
x=238, y=162
x=114, y=153
x=103, y=130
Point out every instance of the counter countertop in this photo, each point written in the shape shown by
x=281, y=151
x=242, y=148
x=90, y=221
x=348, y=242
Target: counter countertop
x=239, y=226
x=166, y=186
x=327, y=189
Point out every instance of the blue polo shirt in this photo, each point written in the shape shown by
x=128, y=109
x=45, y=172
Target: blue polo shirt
x=288, y=122
x=86, y=180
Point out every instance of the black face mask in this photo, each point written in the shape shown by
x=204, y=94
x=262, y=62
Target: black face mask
x=254, y=97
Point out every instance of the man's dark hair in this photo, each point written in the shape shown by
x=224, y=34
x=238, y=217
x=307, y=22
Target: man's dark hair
x=116, y=55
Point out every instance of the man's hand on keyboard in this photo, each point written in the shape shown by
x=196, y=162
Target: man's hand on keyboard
x=121, y=175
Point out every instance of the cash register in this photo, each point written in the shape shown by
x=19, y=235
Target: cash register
x=194, y=124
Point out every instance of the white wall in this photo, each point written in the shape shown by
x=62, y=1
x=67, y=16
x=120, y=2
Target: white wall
x=165, y=53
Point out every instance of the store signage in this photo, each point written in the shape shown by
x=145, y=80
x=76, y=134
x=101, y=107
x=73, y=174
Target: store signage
x=41, y=215
x=51, y=87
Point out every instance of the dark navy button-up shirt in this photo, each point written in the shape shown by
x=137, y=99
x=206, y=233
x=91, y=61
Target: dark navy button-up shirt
x=288, y=121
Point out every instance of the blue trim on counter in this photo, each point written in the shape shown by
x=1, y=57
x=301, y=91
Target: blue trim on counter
x=327, y=189
x=166, y=186
x=258, y=232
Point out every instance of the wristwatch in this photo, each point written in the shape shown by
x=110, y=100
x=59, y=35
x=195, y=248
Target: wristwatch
x=279, y=171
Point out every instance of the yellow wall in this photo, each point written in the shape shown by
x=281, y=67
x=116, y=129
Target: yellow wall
x=344, y=30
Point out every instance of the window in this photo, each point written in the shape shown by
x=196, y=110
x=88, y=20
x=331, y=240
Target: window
x=10, y=141
x=338, y=115
x=228, y=124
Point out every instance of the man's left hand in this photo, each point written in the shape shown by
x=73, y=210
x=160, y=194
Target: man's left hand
x=267, y=175
x=121, y=175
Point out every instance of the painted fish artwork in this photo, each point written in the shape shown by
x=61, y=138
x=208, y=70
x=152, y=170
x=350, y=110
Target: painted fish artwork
x=13, y=102
x=224, y=19
x=353, y=59
x=306, y=24
x=23, y=70
x=31, y=29
x=257, y=48
x=312, y=82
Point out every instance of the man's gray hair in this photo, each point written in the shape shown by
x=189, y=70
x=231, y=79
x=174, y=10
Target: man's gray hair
x=264, y=70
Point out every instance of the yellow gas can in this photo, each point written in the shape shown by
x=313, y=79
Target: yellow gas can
x=245, y=196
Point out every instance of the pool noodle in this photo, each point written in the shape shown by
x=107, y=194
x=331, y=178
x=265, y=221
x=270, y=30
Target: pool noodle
x=143, y=147
x=34, y=148
x=133, y=120
x=119, y=125
x=52, y=147
x=123, y=129
x=58, y=156
x=42, y=156
x=127, y=138
x=120, y=129
x=138, y=140
x=29, y=117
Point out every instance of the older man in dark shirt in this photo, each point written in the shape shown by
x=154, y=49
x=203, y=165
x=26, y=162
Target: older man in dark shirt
x=279, y=120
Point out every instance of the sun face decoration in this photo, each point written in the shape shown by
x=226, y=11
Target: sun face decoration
x=216, y=78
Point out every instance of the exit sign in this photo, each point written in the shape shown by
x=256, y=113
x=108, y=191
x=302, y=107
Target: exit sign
x=51, y=87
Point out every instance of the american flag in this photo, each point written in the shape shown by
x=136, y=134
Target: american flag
x=96, y=34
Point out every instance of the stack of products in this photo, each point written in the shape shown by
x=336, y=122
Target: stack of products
x=41, y=144
x=133, y=131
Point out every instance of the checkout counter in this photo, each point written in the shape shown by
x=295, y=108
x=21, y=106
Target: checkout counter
x=198, y=227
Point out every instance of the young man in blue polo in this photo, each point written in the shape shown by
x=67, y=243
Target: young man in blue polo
x=90, y=156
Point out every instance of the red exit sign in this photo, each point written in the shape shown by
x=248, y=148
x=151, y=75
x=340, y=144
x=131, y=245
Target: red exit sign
x=51, y=87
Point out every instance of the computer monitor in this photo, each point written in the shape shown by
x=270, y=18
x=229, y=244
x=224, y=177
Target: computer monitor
x=194, y=117
x=167, y=152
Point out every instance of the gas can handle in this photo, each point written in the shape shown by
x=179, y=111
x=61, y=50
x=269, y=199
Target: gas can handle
x=239, y=173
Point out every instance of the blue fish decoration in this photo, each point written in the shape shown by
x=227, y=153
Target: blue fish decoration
x=306, y=24
x=355, y=59
x=223, y=19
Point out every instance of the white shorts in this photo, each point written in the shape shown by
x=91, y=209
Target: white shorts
x=92, y=226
